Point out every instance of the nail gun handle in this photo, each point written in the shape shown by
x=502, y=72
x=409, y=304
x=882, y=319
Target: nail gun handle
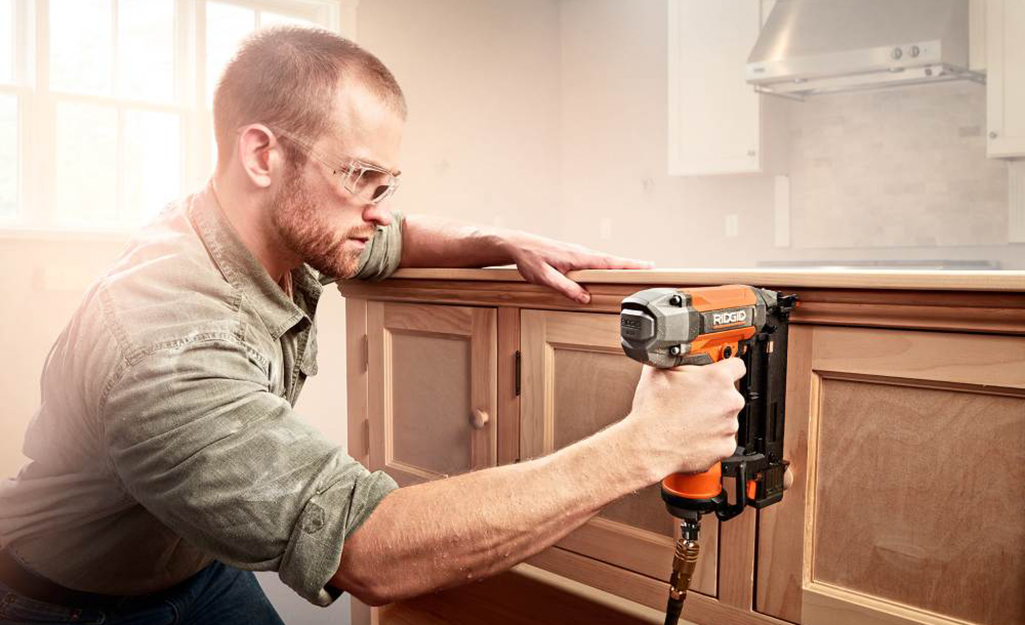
x=695, y=485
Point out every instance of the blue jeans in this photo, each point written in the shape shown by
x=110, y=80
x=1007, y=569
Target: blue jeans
x=217, y=595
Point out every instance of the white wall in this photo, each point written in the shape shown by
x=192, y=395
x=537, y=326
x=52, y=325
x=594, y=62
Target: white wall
x=613, y=161
x=614, y=148
x=482, y=82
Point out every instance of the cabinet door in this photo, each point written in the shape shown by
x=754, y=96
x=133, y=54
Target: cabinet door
x=576, y=380
x=717, y=123
x=908, y=452
x=1005, y=81
x=432, y=380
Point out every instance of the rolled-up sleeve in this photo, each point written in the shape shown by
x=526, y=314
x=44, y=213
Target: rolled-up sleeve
x=197, y=438
x=383, y=253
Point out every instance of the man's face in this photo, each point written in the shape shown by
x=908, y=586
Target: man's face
x=316, y=217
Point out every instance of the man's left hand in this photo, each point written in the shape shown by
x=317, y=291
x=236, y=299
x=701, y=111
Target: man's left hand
x=545, y=261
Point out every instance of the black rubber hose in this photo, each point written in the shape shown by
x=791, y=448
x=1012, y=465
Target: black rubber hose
x=673, y=609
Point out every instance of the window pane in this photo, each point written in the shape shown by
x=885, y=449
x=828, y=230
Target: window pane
x=153, y=157
x=8, y=156
x=274, y=19
x=145, y=49
x=81, y=45
x=86, y=164
x=226, y=26
x=6, y=41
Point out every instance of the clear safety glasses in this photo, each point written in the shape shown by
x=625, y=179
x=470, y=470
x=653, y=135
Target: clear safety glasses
x=366, y=181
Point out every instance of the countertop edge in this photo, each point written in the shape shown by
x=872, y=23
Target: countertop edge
x=823, y=278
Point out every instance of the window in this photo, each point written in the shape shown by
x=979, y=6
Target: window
x=105, y=104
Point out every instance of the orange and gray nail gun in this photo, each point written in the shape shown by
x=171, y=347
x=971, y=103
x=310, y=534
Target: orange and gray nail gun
x=672, y=327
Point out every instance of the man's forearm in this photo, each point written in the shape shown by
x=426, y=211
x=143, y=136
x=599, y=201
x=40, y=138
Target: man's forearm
x=437, y=242
x=442, y=533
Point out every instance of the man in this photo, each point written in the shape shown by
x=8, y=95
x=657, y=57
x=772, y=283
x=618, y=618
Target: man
x=166, y=459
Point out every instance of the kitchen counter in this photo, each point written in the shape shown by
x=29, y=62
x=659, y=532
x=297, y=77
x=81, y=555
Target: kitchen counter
x=840, y=278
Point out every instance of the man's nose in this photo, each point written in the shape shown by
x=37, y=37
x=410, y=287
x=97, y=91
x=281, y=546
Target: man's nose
x=378, y=214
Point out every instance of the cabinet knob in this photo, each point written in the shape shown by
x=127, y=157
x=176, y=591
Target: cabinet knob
x=992, y=134
x=479, y=419
x=788, y=478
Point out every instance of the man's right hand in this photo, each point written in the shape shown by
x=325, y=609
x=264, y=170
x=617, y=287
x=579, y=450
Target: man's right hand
x=685, y=419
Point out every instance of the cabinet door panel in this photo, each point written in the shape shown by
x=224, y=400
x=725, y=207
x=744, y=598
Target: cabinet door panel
x=909, y=453
x=1005, y=86
x=432, y=399
x=576, y=381
x=580, y=414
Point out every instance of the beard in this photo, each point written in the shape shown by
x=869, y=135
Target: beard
x=304, y=228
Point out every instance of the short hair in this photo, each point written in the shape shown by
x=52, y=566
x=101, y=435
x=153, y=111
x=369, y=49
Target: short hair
x=287, y=77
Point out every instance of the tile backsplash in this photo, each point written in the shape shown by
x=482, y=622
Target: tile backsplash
x=903, y=167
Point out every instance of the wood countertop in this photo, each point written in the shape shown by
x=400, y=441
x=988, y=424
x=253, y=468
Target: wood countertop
x=1005, y=281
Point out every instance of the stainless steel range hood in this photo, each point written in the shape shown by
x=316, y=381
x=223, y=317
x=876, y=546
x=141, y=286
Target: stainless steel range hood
x=822, y=46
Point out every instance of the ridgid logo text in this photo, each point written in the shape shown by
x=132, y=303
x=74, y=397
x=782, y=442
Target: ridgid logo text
x=724, y=318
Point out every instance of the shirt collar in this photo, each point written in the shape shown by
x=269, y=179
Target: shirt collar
x=243, y=271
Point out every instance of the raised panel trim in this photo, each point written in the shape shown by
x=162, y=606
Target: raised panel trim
x=594, y=540
x=829, y=605
x=698, y=607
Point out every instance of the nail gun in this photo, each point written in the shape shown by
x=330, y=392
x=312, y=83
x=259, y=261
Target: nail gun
x=667, y=328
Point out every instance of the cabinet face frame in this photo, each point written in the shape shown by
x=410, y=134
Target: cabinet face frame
x=479, y=327
x=926, y=360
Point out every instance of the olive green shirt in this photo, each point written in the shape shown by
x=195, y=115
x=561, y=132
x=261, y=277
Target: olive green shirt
x=167, y=436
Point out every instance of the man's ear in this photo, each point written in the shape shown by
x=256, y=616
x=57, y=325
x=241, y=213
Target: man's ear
x=260, y=154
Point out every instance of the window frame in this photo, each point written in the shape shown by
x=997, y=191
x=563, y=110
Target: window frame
x=36, y=206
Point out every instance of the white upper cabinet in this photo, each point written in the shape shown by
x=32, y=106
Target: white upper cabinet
x=717, y=123
x=1005, y=79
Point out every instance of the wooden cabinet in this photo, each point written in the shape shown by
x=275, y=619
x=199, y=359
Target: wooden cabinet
x=717, y=123
x=1005, y=78
x=909, y=452
x=905, y=429
x=432, y=376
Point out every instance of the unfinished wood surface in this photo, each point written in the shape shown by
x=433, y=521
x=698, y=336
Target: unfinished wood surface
x=433, y=389
x=576, y=381
x=518, y=597
x=356, y=399
x=362, y=614
x=508, y=398
x=938, y=459
x=898, y=425
x=998, y=311
x=737, y=557
x=845, y=278
x=778, y=575
x=642, y=589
